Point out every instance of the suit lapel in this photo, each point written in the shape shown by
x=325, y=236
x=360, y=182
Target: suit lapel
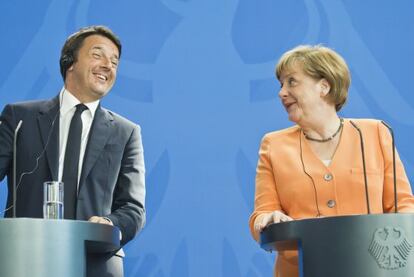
x=98, y=136
x=50, y=138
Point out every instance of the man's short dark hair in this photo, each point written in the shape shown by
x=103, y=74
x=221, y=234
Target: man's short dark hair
x=70, y=49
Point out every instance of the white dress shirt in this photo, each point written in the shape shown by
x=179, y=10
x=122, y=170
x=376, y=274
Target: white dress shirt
x=68, y=104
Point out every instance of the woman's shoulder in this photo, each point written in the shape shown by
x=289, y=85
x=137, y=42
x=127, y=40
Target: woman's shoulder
x=283, y=134
x=364, y=123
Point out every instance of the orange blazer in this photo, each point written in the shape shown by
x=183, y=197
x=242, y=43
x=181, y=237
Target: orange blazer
x=337, y=189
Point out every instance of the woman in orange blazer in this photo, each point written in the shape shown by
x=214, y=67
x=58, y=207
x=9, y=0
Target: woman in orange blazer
x=314, y=169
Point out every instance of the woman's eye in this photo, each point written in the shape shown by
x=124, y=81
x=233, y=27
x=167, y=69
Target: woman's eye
x=291, y=82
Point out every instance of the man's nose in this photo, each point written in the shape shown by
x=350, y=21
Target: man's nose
x=106, y=63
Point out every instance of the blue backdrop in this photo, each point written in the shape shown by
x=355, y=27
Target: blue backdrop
x=197, y=75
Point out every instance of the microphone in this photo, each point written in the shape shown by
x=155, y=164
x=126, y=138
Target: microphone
x=16, y=131
x=363, y=164
x=16, y=187
x=52, y=125
x=393, y=166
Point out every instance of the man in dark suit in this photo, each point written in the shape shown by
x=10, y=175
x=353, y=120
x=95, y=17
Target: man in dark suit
x=71, y=138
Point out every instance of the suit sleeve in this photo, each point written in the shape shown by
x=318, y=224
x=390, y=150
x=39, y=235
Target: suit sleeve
x=129, y=196
x=404, y=193
x=266, y=197
x=7, y=125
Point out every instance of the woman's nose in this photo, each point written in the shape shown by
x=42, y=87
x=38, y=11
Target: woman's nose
x=282, y=93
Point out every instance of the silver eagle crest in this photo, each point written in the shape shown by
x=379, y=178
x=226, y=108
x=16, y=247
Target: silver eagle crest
x=390, y=247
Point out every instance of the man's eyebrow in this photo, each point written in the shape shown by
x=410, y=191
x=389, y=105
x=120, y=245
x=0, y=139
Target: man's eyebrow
x=97, y=47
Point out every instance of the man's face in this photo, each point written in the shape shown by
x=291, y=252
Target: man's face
x=93, y=74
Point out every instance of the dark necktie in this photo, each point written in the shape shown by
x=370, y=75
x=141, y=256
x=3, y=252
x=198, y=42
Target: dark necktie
x=71, y=163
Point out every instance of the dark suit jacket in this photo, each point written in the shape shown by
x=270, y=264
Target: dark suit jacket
x=112, y=180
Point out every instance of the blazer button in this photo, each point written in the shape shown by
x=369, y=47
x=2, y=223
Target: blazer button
x=328, y=177
x=331, y=203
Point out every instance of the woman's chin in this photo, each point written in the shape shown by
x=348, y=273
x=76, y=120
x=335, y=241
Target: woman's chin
x=294, y=117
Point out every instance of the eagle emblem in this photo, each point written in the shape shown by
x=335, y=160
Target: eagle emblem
x=390, y=247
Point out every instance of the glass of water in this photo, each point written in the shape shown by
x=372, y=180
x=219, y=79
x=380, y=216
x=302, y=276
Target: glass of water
x=53, y=200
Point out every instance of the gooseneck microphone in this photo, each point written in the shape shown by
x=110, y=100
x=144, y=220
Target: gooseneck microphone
x=16, y=132
x=363, y=164
x=393, y=166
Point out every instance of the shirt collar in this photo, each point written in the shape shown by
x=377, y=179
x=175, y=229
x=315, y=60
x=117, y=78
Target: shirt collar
x=68, y=101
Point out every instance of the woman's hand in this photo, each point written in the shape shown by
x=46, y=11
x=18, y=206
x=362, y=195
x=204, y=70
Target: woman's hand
x=268, y=218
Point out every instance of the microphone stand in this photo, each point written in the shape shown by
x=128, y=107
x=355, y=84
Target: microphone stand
x=393, y=166
x=16, y=131
x=363, y=164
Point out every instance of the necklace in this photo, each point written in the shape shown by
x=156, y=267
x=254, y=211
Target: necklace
x=341, y=124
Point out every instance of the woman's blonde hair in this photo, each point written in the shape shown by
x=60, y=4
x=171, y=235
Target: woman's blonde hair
x=320, y=62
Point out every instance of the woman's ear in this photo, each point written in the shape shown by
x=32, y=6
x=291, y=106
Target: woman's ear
x=325, y=87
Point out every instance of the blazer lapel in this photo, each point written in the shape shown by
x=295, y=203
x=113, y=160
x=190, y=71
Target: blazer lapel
x=49, y=118
x=98, y=136
x=312, y=164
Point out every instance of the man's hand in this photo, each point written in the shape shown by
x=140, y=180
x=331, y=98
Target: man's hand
x=102, y=220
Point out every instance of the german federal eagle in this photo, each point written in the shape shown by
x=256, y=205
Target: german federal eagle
x=390, y=247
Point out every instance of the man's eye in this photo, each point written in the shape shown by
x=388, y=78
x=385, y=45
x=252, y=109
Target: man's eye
x=291, y=82
x=115, y=63
x=96, y=55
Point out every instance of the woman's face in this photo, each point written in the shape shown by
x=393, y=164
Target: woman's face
x=300, y=94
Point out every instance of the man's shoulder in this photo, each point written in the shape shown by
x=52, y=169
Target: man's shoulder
x=120, y=120
x=32, y=105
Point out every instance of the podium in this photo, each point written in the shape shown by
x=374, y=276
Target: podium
x=347, y=246
x=46, y=248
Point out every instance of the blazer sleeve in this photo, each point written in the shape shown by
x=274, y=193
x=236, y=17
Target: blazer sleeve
x=128, y=208
x=266, y=198
x=7, y=125
x=404, y=194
